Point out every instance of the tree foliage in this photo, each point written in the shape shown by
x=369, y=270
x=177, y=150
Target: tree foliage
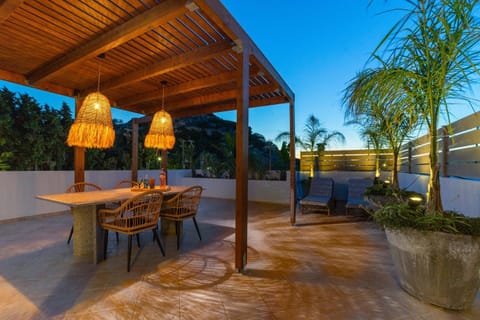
x=32, y=137
x=434, y=52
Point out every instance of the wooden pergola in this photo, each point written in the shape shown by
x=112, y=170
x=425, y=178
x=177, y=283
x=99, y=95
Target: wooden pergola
x=207, y=59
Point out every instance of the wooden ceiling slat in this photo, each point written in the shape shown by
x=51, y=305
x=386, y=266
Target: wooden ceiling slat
x=177, y=37
x=7, y=7
x=168, y=65
x=189, y=32
x=155, y=37
x=173, y=28
x=84, y=25
x=207, y=25
x=220, y=17
x=111, y=39
x=201, y=29
x=38, y=20
x=55, y=43
x=155, y=50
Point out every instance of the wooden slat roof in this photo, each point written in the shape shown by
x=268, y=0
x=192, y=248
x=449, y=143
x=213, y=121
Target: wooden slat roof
x=54, y=45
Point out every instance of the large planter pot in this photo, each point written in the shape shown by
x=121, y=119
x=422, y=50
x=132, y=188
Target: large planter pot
x=436, y=267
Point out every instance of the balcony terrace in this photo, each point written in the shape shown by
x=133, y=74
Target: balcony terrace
x=322, y=268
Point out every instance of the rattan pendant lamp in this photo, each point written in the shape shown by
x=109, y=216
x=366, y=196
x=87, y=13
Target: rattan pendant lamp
x=160, y=135
x=93, y=127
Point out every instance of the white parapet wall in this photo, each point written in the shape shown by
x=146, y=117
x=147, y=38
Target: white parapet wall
x=272, y=191
x=458, y=194
x=18, y=189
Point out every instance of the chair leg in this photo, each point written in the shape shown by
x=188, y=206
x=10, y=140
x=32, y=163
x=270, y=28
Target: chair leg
x=129, y=251
x=177, y=232
x=105, y=244
x=155, y=237
x=138, y=239
x=116, y=233
x=70, y=236
x=196, y=227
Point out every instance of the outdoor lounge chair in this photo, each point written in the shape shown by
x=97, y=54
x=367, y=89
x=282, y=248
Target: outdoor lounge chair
x=356, y=194
x=320, y=196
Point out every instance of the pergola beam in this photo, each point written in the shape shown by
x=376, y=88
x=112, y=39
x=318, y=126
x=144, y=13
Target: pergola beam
x=183, y=88
x=165, y=66
x=174, y=105
x=223, y=106
x=111, y=39
x=220, y=16
x=47, y=86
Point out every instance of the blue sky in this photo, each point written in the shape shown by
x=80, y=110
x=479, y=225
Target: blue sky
x=316, y=45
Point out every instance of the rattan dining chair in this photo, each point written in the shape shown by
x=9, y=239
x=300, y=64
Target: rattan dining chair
x=182, y=206
x=126, y=184
x=80, y=187
x=136, y=215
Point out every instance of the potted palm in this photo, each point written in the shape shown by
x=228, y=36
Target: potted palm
x=432, y=54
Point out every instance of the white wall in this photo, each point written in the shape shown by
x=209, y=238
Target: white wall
x=461, y=195
x=258, y=190
x=18, y=189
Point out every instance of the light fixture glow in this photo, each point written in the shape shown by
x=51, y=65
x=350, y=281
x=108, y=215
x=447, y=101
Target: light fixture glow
x=161, y=135
x=93, y=127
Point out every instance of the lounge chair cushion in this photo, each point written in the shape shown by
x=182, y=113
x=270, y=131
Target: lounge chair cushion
x=315, y=201
x=320, y=195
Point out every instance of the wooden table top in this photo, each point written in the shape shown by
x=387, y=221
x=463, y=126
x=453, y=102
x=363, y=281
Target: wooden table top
x=89, y=198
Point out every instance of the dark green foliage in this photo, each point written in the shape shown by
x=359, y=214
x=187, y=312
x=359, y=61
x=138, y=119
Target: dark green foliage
x=33, y=138
x=402, y=215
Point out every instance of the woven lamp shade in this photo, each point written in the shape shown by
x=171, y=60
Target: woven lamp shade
x=93, y=127
x=160, y=135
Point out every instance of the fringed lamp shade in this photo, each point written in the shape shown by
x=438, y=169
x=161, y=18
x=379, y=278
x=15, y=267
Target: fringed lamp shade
x=93, y=127
x=160, y=135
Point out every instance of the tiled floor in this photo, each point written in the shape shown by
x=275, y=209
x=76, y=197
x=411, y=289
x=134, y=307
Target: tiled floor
x=323, y=268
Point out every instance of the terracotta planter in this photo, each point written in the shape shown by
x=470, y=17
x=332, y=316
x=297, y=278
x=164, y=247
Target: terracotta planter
x=436, y=267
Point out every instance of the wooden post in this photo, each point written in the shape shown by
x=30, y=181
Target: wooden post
x=445, y=150
x=134, y=168
x=241, y=161
x=164, y=164
x=293, y=171
x=78, y=152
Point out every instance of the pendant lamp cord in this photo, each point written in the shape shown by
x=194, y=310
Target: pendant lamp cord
x=164, y=83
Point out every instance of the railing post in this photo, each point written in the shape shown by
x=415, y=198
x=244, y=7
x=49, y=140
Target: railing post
x=445, y=137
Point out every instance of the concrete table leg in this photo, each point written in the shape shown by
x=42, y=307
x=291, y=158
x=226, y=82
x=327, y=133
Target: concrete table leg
x=168, y=226
x=87, y=234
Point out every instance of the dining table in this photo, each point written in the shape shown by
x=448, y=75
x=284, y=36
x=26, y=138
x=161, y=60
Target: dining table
x=88, y=236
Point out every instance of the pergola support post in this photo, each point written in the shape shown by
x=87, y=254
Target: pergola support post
x=78, y=152
x=293, y=172
x=241, y=162
x=134, y=168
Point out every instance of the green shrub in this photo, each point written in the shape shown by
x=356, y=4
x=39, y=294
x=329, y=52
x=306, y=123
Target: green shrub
x=402, y=215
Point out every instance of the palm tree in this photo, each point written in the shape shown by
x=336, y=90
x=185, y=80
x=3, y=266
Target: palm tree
x=316, y=138
x=377, y=100
x=373, y=138
x=434, y=48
